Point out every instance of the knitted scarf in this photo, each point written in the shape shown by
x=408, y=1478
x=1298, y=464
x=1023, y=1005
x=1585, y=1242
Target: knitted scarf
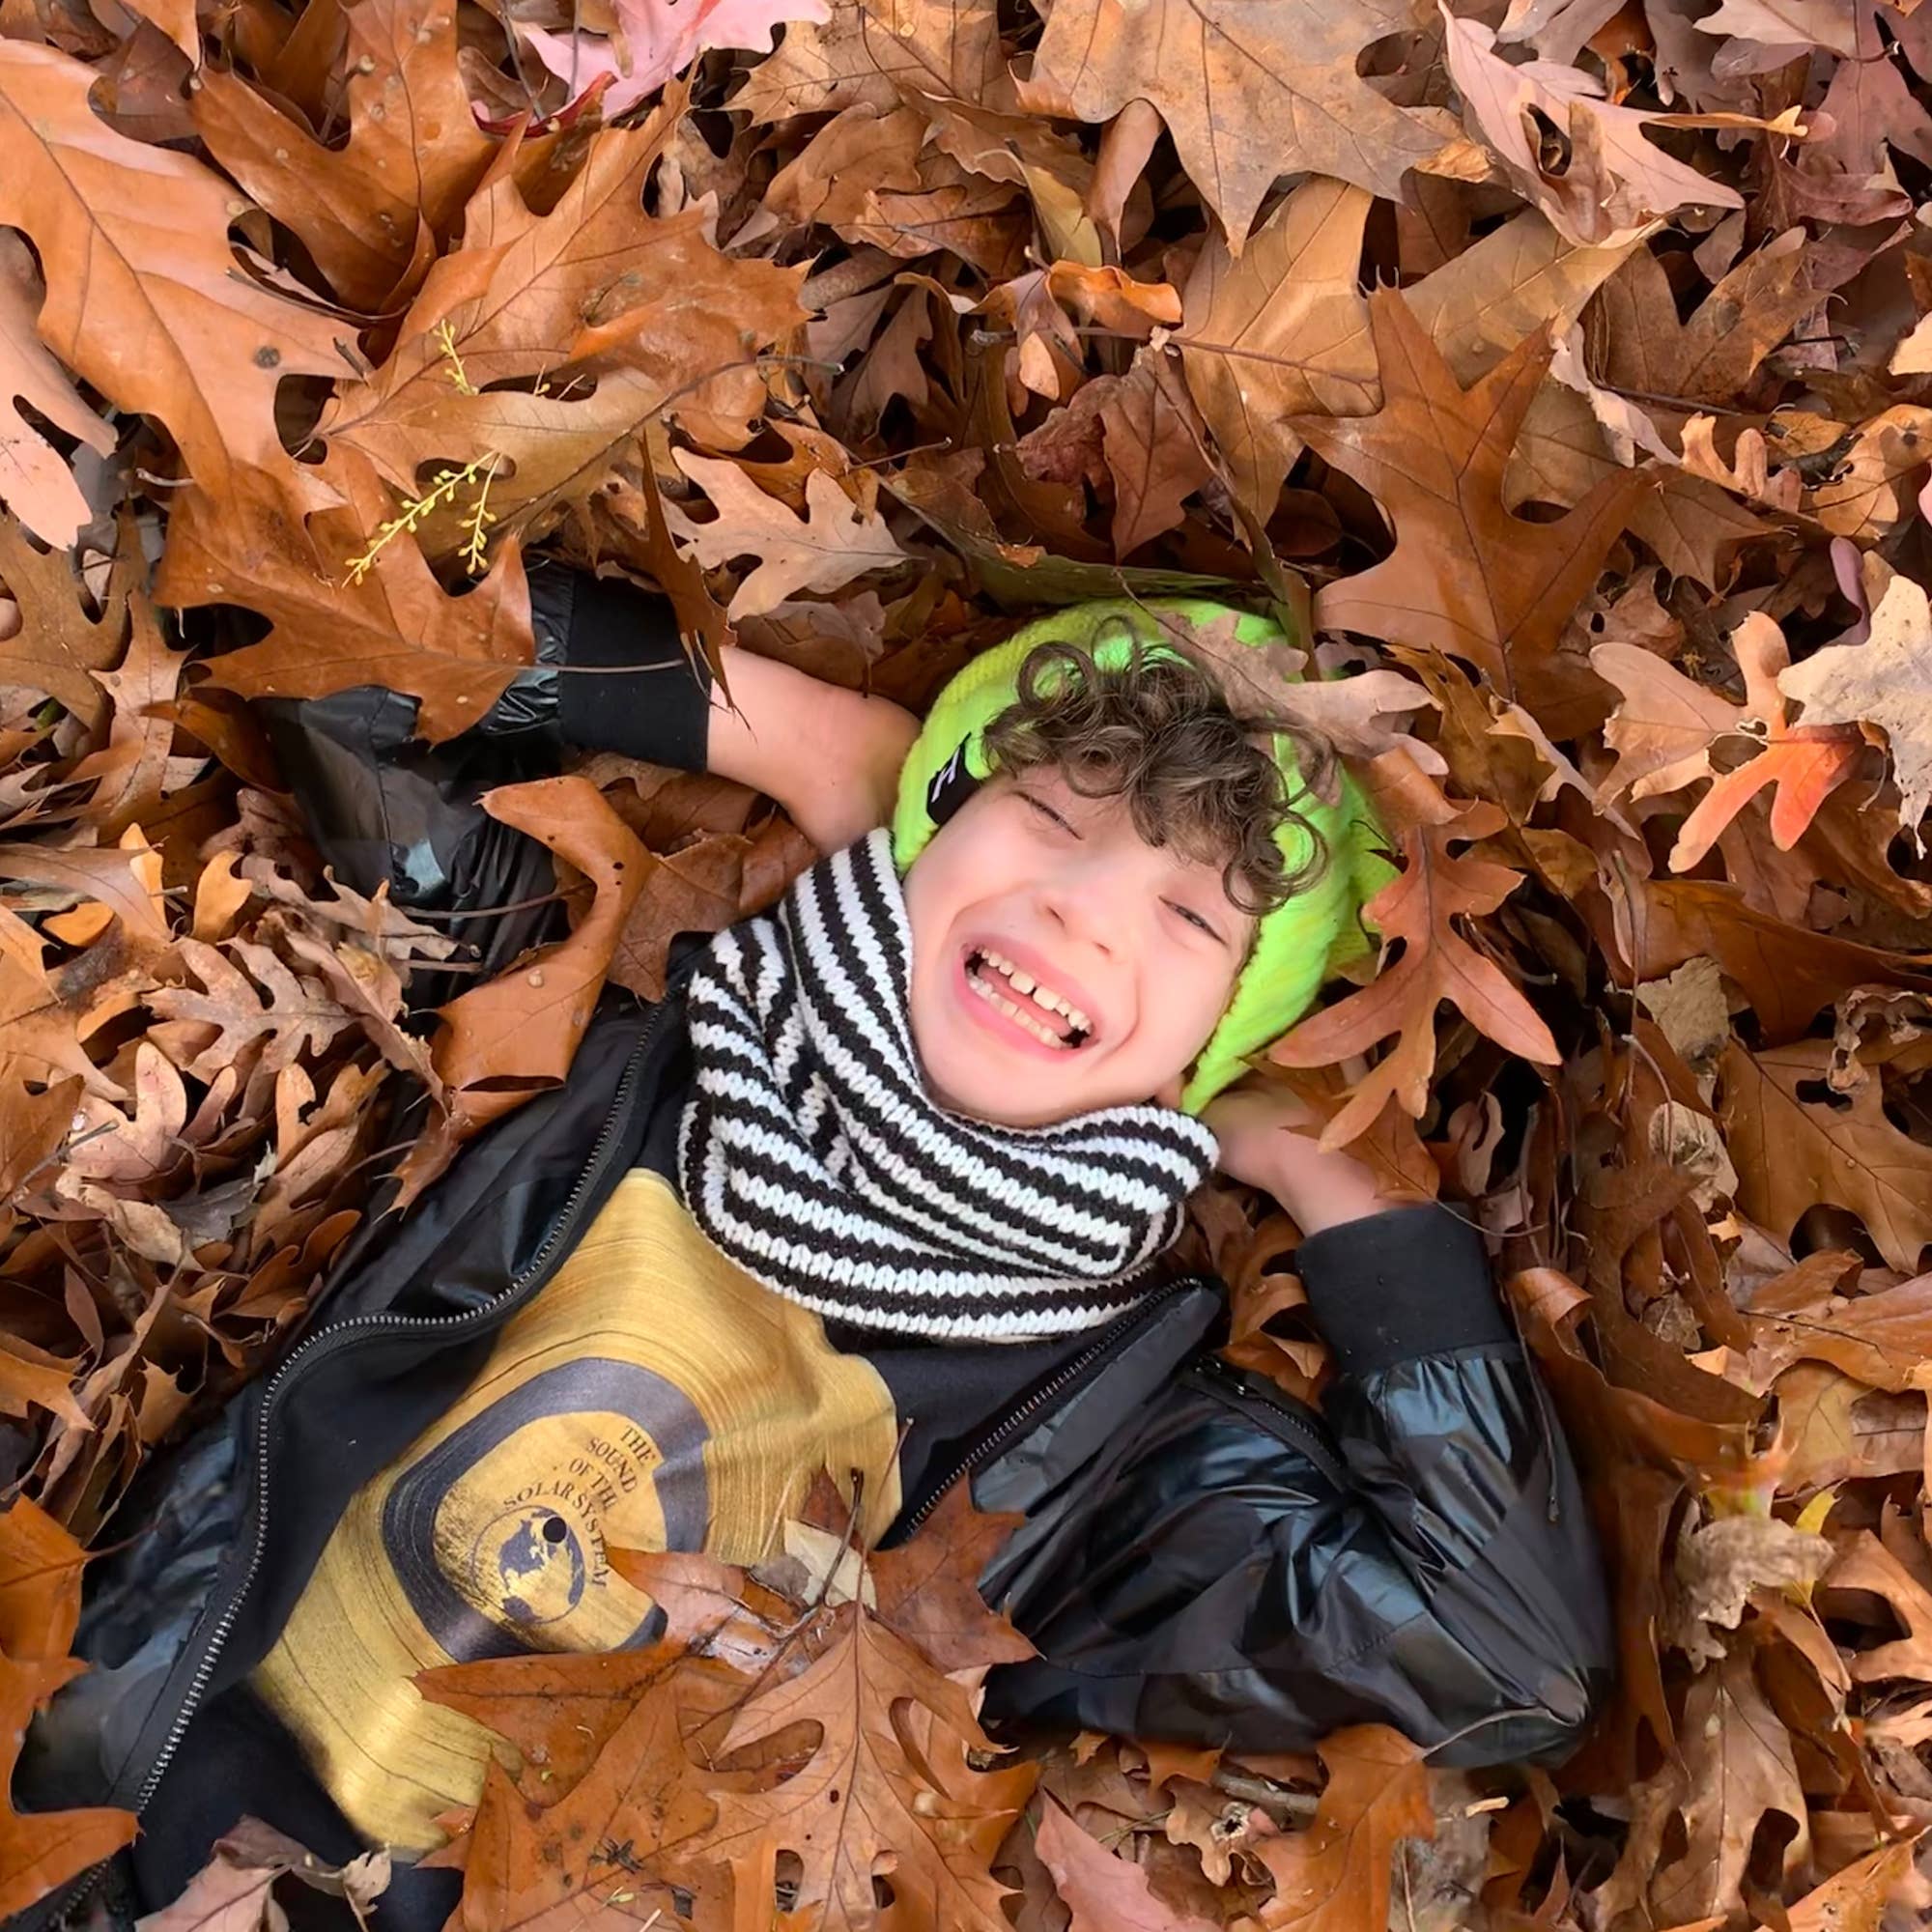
x=811, y=1153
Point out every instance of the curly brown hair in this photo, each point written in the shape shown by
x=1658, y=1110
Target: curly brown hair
x=1197, y=774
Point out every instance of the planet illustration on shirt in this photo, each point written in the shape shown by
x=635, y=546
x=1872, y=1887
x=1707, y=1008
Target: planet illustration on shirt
x=530, y=1562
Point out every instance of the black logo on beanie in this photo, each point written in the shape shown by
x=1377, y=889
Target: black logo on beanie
x=952, y=785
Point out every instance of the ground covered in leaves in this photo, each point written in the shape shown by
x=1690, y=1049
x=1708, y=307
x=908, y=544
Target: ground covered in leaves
x=1562, y=366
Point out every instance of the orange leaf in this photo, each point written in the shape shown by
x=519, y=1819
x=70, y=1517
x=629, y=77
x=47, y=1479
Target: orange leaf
x=1438, y=963
x=1806, y=763
x=144, y=298
x=1334, y=1876
x=40, y=1608
x=503, y=1042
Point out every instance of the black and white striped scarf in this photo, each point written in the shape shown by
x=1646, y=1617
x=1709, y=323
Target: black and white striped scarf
x=811, y=1153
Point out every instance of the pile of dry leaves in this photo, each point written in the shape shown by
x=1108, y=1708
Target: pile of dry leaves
x=1562, y=365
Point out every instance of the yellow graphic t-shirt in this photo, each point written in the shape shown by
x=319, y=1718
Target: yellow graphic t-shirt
x=651, y=1396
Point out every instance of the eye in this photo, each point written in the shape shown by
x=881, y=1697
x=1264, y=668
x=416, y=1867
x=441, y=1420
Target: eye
x=1047, y=811
x=1194, y=919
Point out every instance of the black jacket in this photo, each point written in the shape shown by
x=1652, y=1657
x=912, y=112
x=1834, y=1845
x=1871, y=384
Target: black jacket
x=1202, y=1559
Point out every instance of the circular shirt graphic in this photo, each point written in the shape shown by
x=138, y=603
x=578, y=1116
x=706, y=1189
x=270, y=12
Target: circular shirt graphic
x=497, y=1533
x=531, y=1562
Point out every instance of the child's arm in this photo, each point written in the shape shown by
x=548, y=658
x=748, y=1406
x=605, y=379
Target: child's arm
x=1228, y=1569
x=829, y=756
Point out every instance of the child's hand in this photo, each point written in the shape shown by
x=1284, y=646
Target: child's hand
x=1270, y=1139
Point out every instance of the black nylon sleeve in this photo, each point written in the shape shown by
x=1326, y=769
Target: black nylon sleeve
x=625, y=681
x=1232, y=1569
x=1414, y=1281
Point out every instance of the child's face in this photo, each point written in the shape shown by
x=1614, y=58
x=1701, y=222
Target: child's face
x=1030, y=879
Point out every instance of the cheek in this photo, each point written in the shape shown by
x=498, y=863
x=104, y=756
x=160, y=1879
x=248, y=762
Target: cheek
x=1183, y=998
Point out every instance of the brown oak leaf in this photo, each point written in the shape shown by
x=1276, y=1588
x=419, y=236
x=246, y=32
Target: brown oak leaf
x=546, y=340
x=1420, y=908
x=834, y=542
x=1466, y=577
x=39, y=1610
x=1794, y=1150
x=144, y=299
x=394, y=626
x=1334, y=1876
x=1248, y=93
x=1742, y=1771
x=1279, y=330
x=887, y=1792
x=373, y=210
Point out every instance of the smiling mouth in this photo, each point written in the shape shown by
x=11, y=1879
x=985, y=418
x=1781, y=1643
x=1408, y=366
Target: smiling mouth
x=1047, y=1015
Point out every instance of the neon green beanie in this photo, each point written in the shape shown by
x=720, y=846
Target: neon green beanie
x=1298, y=946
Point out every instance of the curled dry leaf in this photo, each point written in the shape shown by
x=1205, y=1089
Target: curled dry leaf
x=501, y=1042
x=1619, y=180
x=1102, y=1890
x=835, y=541
x=234, y=1891
x=873, y=51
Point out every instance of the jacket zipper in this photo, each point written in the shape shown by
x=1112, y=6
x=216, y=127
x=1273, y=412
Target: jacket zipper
x=1293, y=1423
x=358, y=1328
x=1050, y=1391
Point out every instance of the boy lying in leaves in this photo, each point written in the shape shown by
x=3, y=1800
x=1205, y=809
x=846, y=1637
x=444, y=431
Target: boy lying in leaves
x=883, y=1186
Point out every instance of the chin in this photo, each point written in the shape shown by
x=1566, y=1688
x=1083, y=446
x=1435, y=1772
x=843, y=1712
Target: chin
x=996, y=1106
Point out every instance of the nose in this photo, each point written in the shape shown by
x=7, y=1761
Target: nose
x=1081, y=900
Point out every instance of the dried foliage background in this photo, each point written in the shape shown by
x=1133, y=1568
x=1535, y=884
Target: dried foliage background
x=1567, y=363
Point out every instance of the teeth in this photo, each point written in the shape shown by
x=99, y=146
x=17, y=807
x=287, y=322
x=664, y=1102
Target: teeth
x=1015, y=1012
x=1043, y=997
